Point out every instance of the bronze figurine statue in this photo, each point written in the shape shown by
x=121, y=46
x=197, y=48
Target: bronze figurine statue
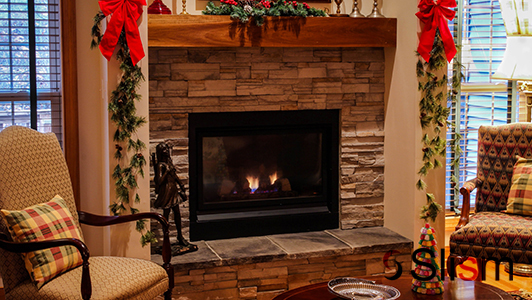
x=169, y=190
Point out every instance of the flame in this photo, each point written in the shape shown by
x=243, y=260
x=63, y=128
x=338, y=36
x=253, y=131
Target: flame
x=273, y=178
x=253, y=183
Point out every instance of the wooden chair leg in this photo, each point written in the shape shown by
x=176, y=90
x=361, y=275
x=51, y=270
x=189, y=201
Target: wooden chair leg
x=481, y=267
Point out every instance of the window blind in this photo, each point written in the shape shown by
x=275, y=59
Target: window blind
x=15, y=58
x=482, y=101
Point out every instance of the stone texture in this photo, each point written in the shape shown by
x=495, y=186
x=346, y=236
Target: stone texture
x=252, y=249
x=307, y=258
x=307, y=242
x=260, y=79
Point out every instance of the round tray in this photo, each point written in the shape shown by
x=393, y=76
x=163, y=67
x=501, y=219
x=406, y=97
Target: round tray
x=361, y=289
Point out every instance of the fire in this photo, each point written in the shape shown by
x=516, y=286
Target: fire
x=253, y=183
x=273, y=178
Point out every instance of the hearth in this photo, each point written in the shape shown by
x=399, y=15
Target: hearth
x=258, y=173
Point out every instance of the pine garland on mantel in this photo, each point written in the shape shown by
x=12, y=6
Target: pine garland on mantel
x=434, y=115
x=123, y=115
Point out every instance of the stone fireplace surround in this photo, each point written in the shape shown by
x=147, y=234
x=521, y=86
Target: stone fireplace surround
x=185, y=80
x=239, y=79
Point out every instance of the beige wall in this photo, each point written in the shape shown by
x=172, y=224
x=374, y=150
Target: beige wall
x=97, y=78
x=402, y=144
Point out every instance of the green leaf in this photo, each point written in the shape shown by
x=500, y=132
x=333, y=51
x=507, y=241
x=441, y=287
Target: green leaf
x=141, y=225
x=421, y=185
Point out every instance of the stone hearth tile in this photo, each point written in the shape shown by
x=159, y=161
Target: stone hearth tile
x=372, y=239
x=246, y=250
x=202, y=258
x=310, y=244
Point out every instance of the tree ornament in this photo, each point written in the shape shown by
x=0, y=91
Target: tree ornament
x=433, y=286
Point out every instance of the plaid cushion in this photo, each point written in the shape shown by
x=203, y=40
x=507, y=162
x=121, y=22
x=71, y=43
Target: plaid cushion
x=520, y=196
x=47, y=221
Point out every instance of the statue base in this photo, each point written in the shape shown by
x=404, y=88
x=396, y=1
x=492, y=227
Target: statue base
x=177, y=249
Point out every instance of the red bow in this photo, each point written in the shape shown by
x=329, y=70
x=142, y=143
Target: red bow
x=125, y=16
x=434, y=16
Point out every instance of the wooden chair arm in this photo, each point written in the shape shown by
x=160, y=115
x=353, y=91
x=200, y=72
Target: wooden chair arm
x=98, y=220
x=86, y=288
x=466, y=190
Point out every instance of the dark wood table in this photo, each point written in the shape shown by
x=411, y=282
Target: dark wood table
x=454, y=290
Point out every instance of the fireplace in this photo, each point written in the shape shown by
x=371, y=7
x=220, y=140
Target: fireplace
x=187, y=81
x=267, y=172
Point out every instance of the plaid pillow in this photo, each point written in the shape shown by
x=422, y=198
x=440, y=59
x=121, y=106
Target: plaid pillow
x=47, y=221
x=520, y=196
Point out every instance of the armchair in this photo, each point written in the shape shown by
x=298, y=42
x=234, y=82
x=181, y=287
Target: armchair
x=490, y=233
x=32, y=171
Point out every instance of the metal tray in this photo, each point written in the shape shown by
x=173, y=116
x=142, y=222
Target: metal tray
x=361, y=289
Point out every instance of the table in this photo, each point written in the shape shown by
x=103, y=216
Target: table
x=454, y=290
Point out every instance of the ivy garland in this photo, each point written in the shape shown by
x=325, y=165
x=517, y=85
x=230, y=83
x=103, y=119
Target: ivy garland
x=434, y=115
x=123, y=114
x=244, y=10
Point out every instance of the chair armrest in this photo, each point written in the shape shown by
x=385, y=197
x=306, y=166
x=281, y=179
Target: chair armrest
x=98, y=220
x=466, y=190
x=86, y=288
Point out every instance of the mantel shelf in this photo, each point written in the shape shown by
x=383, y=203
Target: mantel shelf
x=221, y=31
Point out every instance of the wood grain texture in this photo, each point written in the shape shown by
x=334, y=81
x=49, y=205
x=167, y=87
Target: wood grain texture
x=221, y=31
x=70, y=93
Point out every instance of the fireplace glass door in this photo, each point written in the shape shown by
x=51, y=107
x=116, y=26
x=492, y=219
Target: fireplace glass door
x=262, y=170
x=241, y=169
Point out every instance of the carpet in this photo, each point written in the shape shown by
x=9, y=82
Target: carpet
x=521, y=295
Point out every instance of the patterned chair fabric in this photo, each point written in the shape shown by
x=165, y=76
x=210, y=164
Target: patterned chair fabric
x=33, y=170
x=137, y=279
x=489, y=232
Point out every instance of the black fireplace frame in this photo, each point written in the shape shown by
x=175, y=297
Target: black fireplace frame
x=272, y=217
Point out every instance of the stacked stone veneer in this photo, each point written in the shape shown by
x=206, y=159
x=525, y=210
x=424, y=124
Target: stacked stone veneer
x=187, y=80
x=264, y=281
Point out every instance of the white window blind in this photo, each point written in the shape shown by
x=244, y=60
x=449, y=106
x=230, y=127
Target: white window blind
x=483, y=101
x=15, y=71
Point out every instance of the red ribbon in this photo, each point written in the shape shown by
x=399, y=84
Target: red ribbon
x=434, y=16
x=125, y=16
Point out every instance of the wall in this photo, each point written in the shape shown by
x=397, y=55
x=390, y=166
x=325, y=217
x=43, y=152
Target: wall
x=97, y=78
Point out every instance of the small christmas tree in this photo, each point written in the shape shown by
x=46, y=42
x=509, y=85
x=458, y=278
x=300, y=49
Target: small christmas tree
x=435, y=285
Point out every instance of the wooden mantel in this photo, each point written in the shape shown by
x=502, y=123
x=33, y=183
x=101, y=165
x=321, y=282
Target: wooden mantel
x=221, y=31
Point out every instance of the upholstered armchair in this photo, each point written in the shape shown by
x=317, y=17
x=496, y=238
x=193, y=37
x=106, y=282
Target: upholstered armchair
x=33, y=171
x=490, y=233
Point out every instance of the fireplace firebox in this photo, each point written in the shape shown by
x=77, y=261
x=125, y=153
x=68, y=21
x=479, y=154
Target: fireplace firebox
x=259, y=173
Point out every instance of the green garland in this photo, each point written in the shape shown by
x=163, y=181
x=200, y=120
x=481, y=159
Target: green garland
x=123, y=114
x=244, y=10
x=434, y=115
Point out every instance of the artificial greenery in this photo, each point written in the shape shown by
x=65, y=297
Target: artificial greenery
x=244, y=10
x=434, y=115
x=130, y=161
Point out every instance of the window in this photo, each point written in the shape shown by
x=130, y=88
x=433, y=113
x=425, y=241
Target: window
x=30, y=71
x=483, y=101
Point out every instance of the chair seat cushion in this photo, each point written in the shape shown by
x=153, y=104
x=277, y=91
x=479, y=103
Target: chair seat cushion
x=495, y=235
x=111, y=277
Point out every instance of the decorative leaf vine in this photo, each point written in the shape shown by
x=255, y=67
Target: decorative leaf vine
x=434, y=115
x=128, y=154
x=244, y=10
